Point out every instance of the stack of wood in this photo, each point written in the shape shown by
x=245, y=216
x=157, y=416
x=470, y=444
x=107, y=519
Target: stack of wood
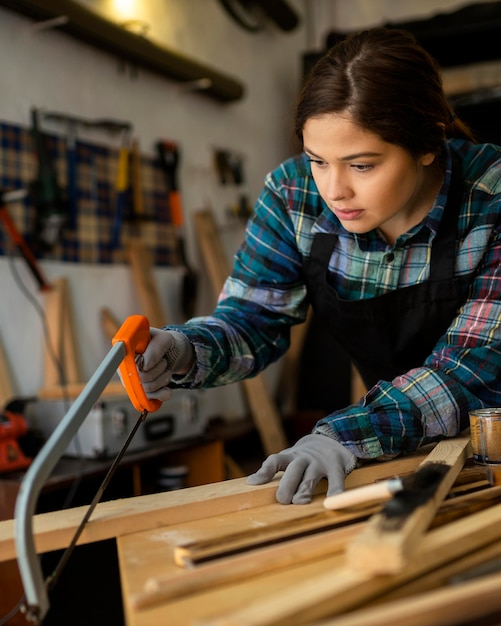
x=228, y=553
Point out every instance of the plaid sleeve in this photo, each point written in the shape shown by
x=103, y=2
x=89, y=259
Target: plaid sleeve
x=261, y=299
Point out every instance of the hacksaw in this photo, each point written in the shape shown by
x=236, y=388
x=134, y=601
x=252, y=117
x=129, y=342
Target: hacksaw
x=131, y=339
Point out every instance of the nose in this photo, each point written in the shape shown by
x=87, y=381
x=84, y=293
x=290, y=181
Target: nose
x=337, y=187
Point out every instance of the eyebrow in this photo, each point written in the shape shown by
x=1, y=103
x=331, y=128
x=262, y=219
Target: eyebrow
x=348, y=157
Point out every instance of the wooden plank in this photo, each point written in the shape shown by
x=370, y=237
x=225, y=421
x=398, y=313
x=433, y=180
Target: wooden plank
x=160, y=589
x=358, y=387
x=337, y=591
x=459, y=604
x=389, y=539
x=141, y=263
x=115, y=518
x=262, y=408
x=63, y=351
x=481, y=562
x=166, y=587
x=109, y=323
x=190, y=553
x=138, y=254
x=7, y=392
x=289, y=372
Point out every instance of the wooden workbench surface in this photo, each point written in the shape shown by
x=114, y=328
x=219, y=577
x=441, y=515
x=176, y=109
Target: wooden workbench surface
x=269, y=564
x=295, y=576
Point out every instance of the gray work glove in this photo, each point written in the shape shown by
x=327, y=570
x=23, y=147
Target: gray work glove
x=312, y=458
x=167, y=353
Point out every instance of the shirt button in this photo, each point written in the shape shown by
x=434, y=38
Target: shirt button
x=389, y=257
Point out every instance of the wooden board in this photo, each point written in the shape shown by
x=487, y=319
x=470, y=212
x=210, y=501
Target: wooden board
x=262, y=407
x=387, y=542
x=119, y=517
x=138, y=254
x=328, y=587
x=61, y=358
x=297, y=580
x=294, y=582
x=141, y=263
x=6, y=386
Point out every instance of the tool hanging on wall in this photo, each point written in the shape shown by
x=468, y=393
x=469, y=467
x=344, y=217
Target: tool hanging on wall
x=229, y=166
x=71, y=174
x=18, y=240
x=71, y=124
x=121, y=191
x=51, y=206
x=169, y=156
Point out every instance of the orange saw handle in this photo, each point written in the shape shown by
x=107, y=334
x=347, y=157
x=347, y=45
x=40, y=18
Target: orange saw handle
x=134, y=333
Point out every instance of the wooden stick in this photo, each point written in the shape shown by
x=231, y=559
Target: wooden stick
x=141, y=262
x=161, y=589
x=262, y=408
x=459, y=604
x=119, y=517
x=109, y=322
x=6, y=386
x=266, y=559
x=344, y=588
x=393, y=535
x=191, y=554
x=62, y=337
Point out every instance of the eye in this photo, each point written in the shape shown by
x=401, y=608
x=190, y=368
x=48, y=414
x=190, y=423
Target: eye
x=317, y=162
x=362, y=167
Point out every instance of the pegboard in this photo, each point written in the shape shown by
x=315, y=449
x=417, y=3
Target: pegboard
x=90, y=241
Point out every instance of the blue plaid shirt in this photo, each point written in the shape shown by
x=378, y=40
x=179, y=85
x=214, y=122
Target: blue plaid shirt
x=266, y=294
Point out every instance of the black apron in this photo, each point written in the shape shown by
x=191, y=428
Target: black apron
x=390, y=334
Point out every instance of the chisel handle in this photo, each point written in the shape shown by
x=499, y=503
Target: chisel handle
x=135, y=335
x=377, y=491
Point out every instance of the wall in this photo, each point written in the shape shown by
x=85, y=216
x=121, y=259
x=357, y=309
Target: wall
x=48, y=69
x=327, y=15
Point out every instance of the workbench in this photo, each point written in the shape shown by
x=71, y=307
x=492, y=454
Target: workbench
x=204, y=457
x=227, y=553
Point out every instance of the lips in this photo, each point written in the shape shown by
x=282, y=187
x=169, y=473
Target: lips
x=348, y=214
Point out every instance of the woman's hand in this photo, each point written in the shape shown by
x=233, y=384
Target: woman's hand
x=312, y=458
x=167, y=353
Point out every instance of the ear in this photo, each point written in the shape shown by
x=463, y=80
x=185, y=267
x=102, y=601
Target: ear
x=427, y=159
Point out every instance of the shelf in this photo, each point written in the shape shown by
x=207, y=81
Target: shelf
x=101, y=33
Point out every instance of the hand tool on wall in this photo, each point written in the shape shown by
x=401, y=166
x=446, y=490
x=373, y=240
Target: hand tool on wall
x=169, y=156
x=47, y=197
x=130, y=340
x=121, y=191
x=71, y=173
x=19, y=241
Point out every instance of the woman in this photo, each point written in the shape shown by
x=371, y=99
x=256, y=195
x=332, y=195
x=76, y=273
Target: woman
x=388, y=225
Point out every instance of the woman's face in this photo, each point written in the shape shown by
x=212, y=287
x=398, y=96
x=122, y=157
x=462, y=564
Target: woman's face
x=366, y=182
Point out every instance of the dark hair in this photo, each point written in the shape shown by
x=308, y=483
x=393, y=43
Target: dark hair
x=389, y=85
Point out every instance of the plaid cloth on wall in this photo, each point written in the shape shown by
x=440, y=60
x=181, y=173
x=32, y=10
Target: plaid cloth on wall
x=96, y=174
